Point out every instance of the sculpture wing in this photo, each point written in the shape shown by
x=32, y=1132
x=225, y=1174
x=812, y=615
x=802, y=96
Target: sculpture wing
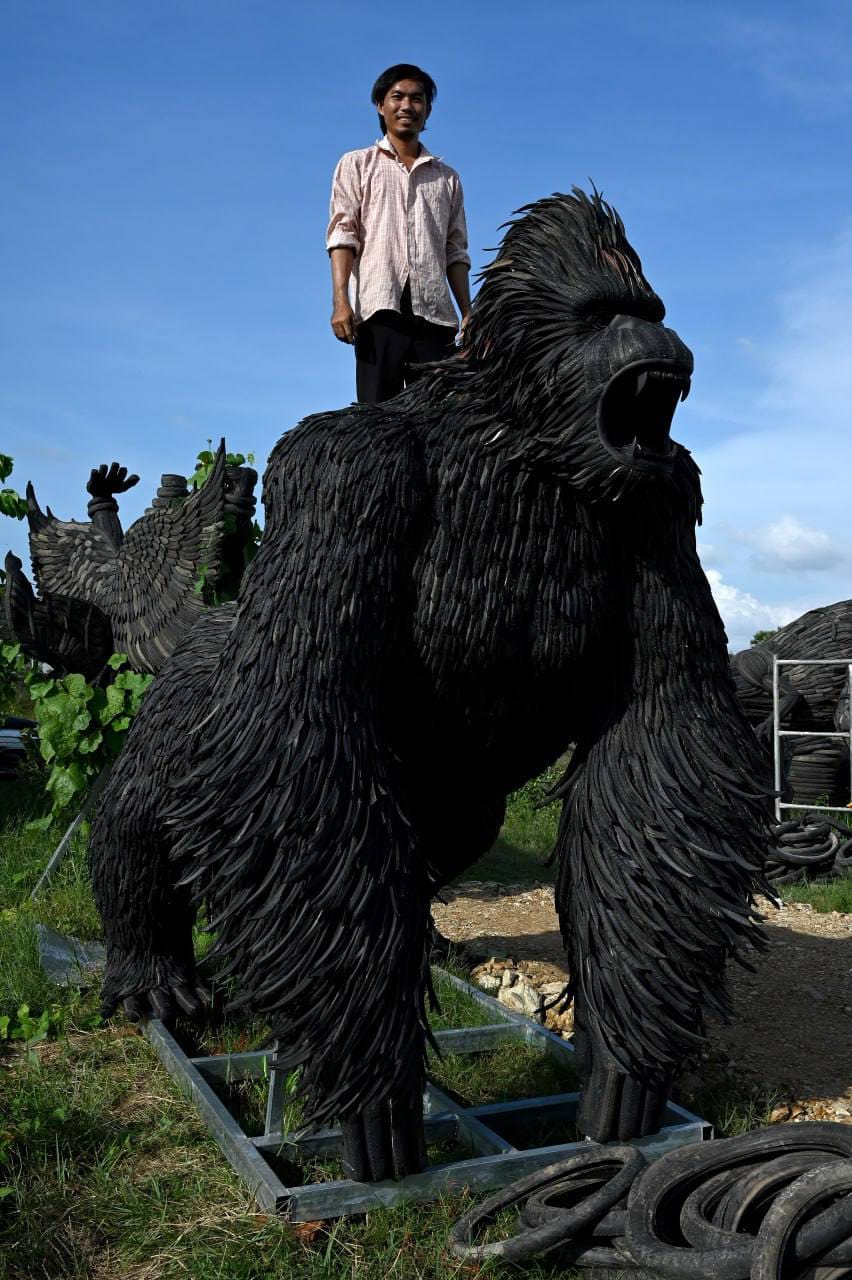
x=69, y=557
x=67, y=633
x=154, y=597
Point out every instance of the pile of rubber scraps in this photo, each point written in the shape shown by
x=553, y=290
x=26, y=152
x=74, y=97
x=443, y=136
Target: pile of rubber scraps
x=773, y=1203
x=808, y=847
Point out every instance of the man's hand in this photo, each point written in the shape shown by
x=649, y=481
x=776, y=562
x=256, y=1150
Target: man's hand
x=343, y=320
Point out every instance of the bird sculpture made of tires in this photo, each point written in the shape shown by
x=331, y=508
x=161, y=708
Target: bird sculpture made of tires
x=101, y=590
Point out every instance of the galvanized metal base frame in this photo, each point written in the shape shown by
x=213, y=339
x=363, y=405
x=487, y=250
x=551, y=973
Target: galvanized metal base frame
x=495, y=1161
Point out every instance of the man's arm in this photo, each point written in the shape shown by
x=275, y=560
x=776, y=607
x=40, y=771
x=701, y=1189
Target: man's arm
x=343, y=241
x=342, y=316
x=458, y=259
x=458, y=277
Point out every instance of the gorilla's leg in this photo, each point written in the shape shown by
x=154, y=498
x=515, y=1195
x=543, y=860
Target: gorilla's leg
x=147, y=919
x=614, y=1105
x=660, y=847
x=385, y=1141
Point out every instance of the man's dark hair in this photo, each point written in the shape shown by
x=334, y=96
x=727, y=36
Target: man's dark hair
x=402, y=71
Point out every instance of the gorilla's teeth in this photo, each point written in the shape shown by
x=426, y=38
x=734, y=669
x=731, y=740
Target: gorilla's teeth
x=686, y=390
x=641, y=382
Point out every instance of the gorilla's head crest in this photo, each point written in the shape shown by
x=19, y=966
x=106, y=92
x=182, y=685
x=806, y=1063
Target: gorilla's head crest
x=568, y=349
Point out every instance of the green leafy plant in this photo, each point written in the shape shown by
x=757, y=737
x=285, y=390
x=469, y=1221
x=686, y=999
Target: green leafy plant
x=27, y=1027
x=14, y=668
x=81, y=727
x=203, y=467
x=11, y=502
x=206, y=459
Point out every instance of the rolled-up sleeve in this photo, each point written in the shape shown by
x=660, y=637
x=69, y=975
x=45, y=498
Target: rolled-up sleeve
x=344, y=226
x=457, y=229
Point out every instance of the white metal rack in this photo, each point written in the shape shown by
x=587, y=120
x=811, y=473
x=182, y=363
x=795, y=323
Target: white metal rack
x=778, y=733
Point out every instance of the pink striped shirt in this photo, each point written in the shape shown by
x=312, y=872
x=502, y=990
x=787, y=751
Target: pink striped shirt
x=402, y=225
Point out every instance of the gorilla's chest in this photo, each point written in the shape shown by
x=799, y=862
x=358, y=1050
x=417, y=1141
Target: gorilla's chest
x=516, y=582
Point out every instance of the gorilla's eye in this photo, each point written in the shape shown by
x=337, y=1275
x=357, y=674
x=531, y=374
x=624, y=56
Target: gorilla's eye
x=599, y=312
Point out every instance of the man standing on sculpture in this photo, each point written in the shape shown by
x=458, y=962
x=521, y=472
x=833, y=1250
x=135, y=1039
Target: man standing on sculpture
x=396, y=239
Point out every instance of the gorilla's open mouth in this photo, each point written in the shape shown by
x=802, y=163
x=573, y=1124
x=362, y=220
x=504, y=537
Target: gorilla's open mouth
x=636, y=408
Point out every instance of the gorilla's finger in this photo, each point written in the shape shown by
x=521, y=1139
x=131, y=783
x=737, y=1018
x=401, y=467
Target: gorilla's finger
x=188, y=1002
x=135, y=1008
x=162, y=1004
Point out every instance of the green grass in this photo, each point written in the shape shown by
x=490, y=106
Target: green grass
x=505, y=1073
x=527, y=839
x=67, y=908
x=455, y=1008
x=111, y=1174
x=822, y=895
x=106, y=1170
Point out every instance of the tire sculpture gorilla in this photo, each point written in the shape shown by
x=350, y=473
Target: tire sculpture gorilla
x=454, y=586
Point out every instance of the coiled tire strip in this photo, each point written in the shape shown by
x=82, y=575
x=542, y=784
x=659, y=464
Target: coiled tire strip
x=655, y=1200
x=619, y=1165
x=773, y=1203
x=776, y=1238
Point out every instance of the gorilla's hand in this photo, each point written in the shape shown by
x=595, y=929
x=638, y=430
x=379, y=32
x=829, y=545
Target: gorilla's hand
x=105, y=481
x=166, y=1002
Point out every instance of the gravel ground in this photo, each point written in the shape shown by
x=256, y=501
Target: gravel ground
x=792, y=1027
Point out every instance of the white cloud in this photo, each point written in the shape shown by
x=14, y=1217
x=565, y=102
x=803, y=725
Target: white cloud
x=787, y=544
x=775, y=490
x=743, y=614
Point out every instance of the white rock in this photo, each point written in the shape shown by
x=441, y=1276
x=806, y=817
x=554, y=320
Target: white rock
x=521, y=999
x=488, y=981
x=551, y=989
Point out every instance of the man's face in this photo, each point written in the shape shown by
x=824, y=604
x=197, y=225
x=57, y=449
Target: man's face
x=404, y=109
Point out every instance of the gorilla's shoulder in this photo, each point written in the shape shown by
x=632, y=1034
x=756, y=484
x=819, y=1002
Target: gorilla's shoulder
x=359, y=436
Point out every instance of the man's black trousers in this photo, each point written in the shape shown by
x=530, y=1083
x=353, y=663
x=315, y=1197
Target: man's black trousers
x=389, y=344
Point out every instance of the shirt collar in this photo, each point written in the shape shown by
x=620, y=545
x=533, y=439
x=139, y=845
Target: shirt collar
x=385, y=144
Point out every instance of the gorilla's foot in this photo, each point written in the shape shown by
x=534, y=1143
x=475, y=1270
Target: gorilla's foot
x=147, y=987
x=615, y=1107
x=385, y=1141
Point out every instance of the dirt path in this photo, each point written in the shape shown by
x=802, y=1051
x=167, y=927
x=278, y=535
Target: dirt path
x=792, y=1028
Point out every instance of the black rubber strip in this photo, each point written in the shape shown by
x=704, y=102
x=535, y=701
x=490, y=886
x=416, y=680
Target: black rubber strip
x=559, y=1230
x=778, y=1229
x=651, y=1233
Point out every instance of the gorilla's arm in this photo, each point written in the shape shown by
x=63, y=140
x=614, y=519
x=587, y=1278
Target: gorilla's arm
x=318, y=892
x=103, y=484
x=655, y=878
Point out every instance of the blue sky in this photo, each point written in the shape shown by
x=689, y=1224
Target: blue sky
x=165, y=186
